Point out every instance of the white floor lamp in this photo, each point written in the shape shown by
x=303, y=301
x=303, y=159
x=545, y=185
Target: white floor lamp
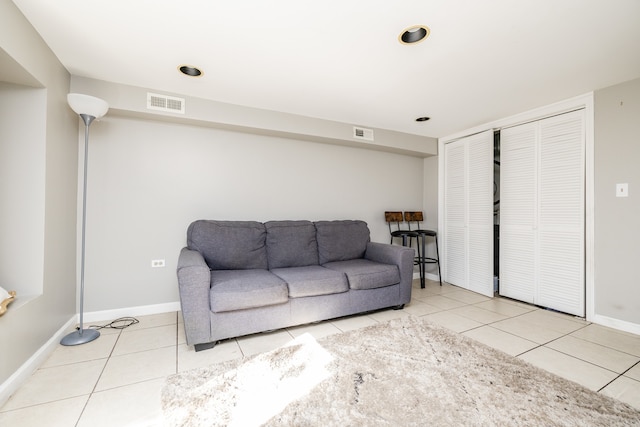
x=89, y=108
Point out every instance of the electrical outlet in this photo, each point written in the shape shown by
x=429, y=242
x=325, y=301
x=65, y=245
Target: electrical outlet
x=155, y=263
x=622, y=190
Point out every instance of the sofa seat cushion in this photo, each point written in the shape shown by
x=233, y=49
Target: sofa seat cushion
x=312, y=280
x=241, y=289
x=365, y=274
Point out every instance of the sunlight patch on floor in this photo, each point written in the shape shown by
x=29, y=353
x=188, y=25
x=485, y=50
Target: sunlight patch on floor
x=264, y=389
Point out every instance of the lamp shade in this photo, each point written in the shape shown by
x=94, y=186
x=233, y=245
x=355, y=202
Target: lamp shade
x=89, y=105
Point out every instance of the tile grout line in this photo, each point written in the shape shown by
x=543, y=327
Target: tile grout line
x=631, y=367
x=538, y=345
x=550, y=341
x=619, y=376
x=491, y=323
x=555, y=339
x=84, y=407
x=594, y=343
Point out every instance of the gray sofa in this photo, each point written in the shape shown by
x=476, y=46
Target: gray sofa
x=241, y=277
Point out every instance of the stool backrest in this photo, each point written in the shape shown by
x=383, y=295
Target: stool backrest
x=393, y=216
x=413, y=217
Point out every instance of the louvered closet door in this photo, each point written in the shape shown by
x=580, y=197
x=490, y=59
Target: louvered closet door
x=518, y=211
x=542, y=212
x=468, y=243
x=561, y=213
x=455, y=258
x=480, y=213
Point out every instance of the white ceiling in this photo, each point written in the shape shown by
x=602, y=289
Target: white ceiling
x=341, y=59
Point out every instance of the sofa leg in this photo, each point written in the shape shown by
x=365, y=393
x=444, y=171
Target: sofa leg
x=205, y=346
x=399, y=307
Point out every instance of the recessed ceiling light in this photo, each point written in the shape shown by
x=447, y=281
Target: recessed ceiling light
x=414, y=34
x=188, y=70
x=423, y=119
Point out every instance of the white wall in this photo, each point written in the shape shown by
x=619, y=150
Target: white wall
x=131, y=101
x=617, y=219
x=22, y=185
x=26, y=328
x=430, y=210
x=149, y=179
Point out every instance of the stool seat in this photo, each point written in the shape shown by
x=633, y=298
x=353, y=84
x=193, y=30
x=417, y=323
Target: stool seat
x=399, y=233
x=404, y=234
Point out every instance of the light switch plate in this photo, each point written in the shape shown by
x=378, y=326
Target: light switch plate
x=622, y=190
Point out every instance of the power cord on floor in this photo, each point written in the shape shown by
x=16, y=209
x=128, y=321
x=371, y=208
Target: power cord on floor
x=121, y=323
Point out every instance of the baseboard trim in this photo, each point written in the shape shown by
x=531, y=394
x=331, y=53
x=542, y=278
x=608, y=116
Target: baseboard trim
x=621, y=325
x=143, y=310
x=429, y=276
x=22, y=374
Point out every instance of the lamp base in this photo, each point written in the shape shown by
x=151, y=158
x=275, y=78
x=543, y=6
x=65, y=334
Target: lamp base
x=81, y=336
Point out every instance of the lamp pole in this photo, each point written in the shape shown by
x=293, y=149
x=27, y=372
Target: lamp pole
x=81, y=103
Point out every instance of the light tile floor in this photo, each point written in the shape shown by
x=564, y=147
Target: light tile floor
x=116, y=380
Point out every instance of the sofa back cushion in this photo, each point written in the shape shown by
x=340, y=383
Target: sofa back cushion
x=341, y=240
x=291, y=244
x=229, y=245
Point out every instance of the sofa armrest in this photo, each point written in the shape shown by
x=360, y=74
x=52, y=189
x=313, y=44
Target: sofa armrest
x=194, y=283
x=401, y=256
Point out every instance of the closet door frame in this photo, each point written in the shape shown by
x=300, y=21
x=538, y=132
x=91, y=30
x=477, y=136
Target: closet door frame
x=585, y=102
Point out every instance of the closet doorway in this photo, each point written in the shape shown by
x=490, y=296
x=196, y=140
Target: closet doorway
x=514, y=212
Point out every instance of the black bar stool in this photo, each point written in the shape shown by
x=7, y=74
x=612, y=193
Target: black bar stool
x=405, y=234
x=416, y=217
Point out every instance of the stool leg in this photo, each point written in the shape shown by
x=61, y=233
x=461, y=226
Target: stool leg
x=418, y=260
x=438, y=260
x=423, y=261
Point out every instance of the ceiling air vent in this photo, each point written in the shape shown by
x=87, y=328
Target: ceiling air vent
x=169, y=104
x=362, y=133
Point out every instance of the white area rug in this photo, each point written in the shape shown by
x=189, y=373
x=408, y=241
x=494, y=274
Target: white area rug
x=406, y=372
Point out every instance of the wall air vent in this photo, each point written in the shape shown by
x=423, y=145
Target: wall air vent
x=168, y=104
x=362, y=133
